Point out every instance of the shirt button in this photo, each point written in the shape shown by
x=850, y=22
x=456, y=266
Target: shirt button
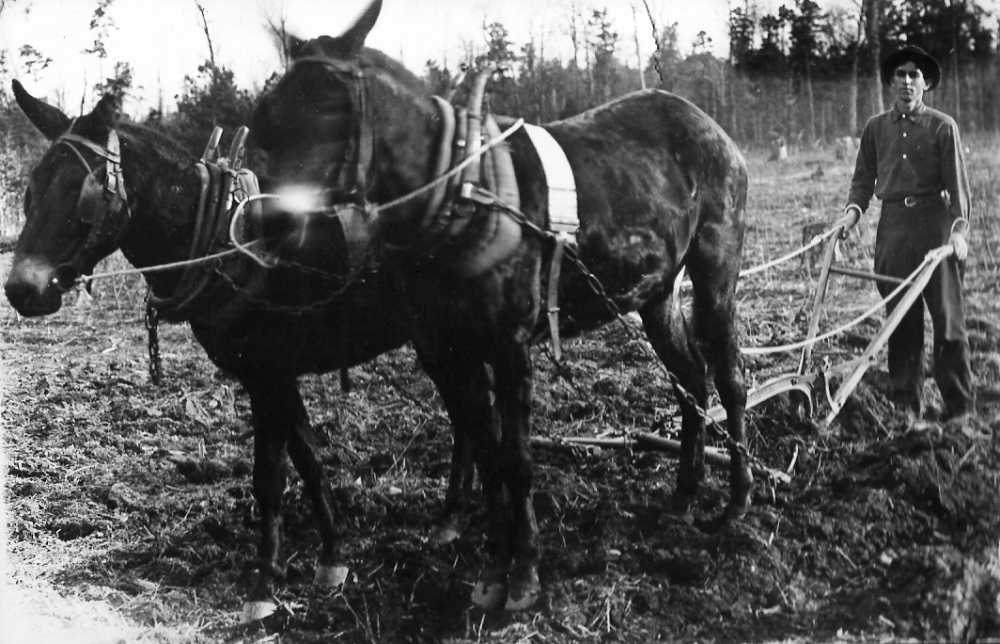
x=904, y=156
x=904, y=135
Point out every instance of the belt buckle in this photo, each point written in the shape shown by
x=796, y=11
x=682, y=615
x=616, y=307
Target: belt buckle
x=909, y=201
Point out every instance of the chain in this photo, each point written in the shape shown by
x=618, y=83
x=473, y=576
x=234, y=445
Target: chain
x=598, y=288
x=333, y=297
x=152, y=321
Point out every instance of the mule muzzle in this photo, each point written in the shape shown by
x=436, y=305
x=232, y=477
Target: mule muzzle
x=32, y=289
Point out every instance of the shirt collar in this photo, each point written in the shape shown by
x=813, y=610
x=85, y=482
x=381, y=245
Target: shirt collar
x=916, y=114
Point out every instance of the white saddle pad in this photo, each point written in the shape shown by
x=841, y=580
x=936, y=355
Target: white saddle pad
x=559, y=179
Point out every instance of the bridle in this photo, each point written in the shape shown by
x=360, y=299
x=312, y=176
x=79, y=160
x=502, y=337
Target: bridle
x=104, y=207
x=356, y=171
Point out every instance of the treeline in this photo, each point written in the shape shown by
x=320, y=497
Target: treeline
x=801, y=72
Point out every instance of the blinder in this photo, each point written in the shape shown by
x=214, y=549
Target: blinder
x=356, y=169
x=102, y=205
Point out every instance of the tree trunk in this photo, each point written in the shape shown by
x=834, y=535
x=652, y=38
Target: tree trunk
x=956, y=79
x=853, y=127
x=812, y=105
x=638, y=50
x=874, y=15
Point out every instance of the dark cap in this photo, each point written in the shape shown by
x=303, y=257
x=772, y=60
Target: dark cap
x=911, y=53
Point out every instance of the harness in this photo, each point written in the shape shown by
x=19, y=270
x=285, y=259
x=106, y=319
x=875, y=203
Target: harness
x=103, y=206
x=462, y=226
x=223, y=183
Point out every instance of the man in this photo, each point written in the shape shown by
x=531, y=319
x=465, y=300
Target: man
x=911, y=158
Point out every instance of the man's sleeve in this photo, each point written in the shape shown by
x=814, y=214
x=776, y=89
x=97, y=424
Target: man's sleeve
x=953, y=172
x=865, y=166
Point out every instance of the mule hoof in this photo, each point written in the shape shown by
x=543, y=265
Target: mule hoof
x=736, y=510
x=489, y=595
x=253, y=611
x=524, y=590
x=445, y=534
x=330, y=576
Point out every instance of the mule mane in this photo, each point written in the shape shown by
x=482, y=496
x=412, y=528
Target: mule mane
x=150, y=140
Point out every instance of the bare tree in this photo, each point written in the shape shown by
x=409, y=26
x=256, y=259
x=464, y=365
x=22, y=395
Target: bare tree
x=957, y=113
x=208, y=36
x=873, y=13
x=278, y=30
x=638, y=50
x=657, y=57
x=852, y=87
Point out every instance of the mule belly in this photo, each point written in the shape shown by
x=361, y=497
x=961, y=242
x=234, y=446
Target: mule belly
x=292, y=345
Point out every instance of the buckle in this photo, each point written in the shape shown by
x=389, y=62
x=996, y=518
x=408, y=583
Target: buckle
x=909, y=201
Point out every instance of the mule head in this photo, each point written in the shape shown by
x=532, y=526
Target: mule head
x=74, y=207
x=316, y=127
x=309, y=122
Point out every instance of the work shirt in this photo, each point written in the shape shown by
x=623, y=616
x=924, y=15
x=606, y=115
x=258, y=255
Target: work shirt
x=915, y=154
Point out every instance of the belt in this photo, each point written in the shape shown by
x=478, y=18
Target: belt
x=910, y=201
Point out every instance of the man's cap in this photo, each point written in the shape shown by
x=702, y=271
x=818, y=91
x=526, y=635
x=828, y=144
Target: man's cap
x=911, y=53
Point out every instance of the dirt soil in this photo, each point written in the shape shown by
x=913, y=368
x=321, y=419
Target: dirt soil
x=130, y=515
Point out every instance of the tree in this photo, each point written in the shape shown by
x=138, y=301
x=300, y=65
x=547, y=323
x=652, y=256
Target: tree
x=501, y=57
x=210, y=98
x=873, y=17
x=118, y=83
x=603, y=43
x=101, y=25
x=667, y=58
x=804, y=49
x=33, y=60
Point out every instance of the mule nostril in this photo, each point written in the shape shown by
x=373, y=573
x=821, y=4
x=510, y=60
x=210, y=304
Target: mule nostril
x=65, y=277
x=18, y=293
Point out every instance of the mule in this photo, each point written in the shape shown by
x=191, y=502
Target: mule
x=265, y=327
x=660, y=187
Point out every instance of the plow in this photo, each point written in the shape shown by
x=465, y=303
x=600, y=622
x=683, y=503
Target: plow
x=809, y=384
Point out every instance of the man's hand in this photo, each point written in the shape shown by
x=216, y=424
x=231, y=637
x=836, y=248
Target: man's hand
x=961, y=246
x=852, y=213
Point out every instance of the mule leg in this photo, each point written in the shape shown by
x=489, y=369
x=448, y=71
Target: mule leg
x=672, y=342
x=269, y=476
x=466, y=388
x=459, y=493
x=331, y=570
x=281, y=425
x=714, y=269
x=513, y=398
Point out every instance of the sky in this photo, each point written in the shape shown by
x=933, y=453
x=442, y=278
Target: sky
x=163, y=40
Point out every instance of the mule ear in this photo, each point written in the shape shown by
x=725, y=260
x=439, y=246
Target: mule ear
x=355, y=36
x=49, y=120
x=108, y=111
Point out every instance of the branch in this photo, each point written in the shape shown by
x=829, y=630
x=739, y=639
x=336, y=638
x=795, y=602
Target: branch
x=208, y=36
x=652, y=442
x=656, y=41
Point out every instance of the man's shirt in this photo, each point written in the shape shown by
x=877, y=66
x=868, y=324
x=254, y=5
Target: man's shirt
x=911, y=154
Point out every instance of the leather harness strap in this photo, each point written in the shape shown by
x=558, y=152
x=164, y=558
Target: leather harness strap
x=357, y=167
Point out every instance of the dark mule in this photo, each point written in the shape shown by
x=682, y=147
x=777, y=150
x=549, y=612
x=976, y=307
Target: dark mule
x=660, y=187
x=266, y=327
